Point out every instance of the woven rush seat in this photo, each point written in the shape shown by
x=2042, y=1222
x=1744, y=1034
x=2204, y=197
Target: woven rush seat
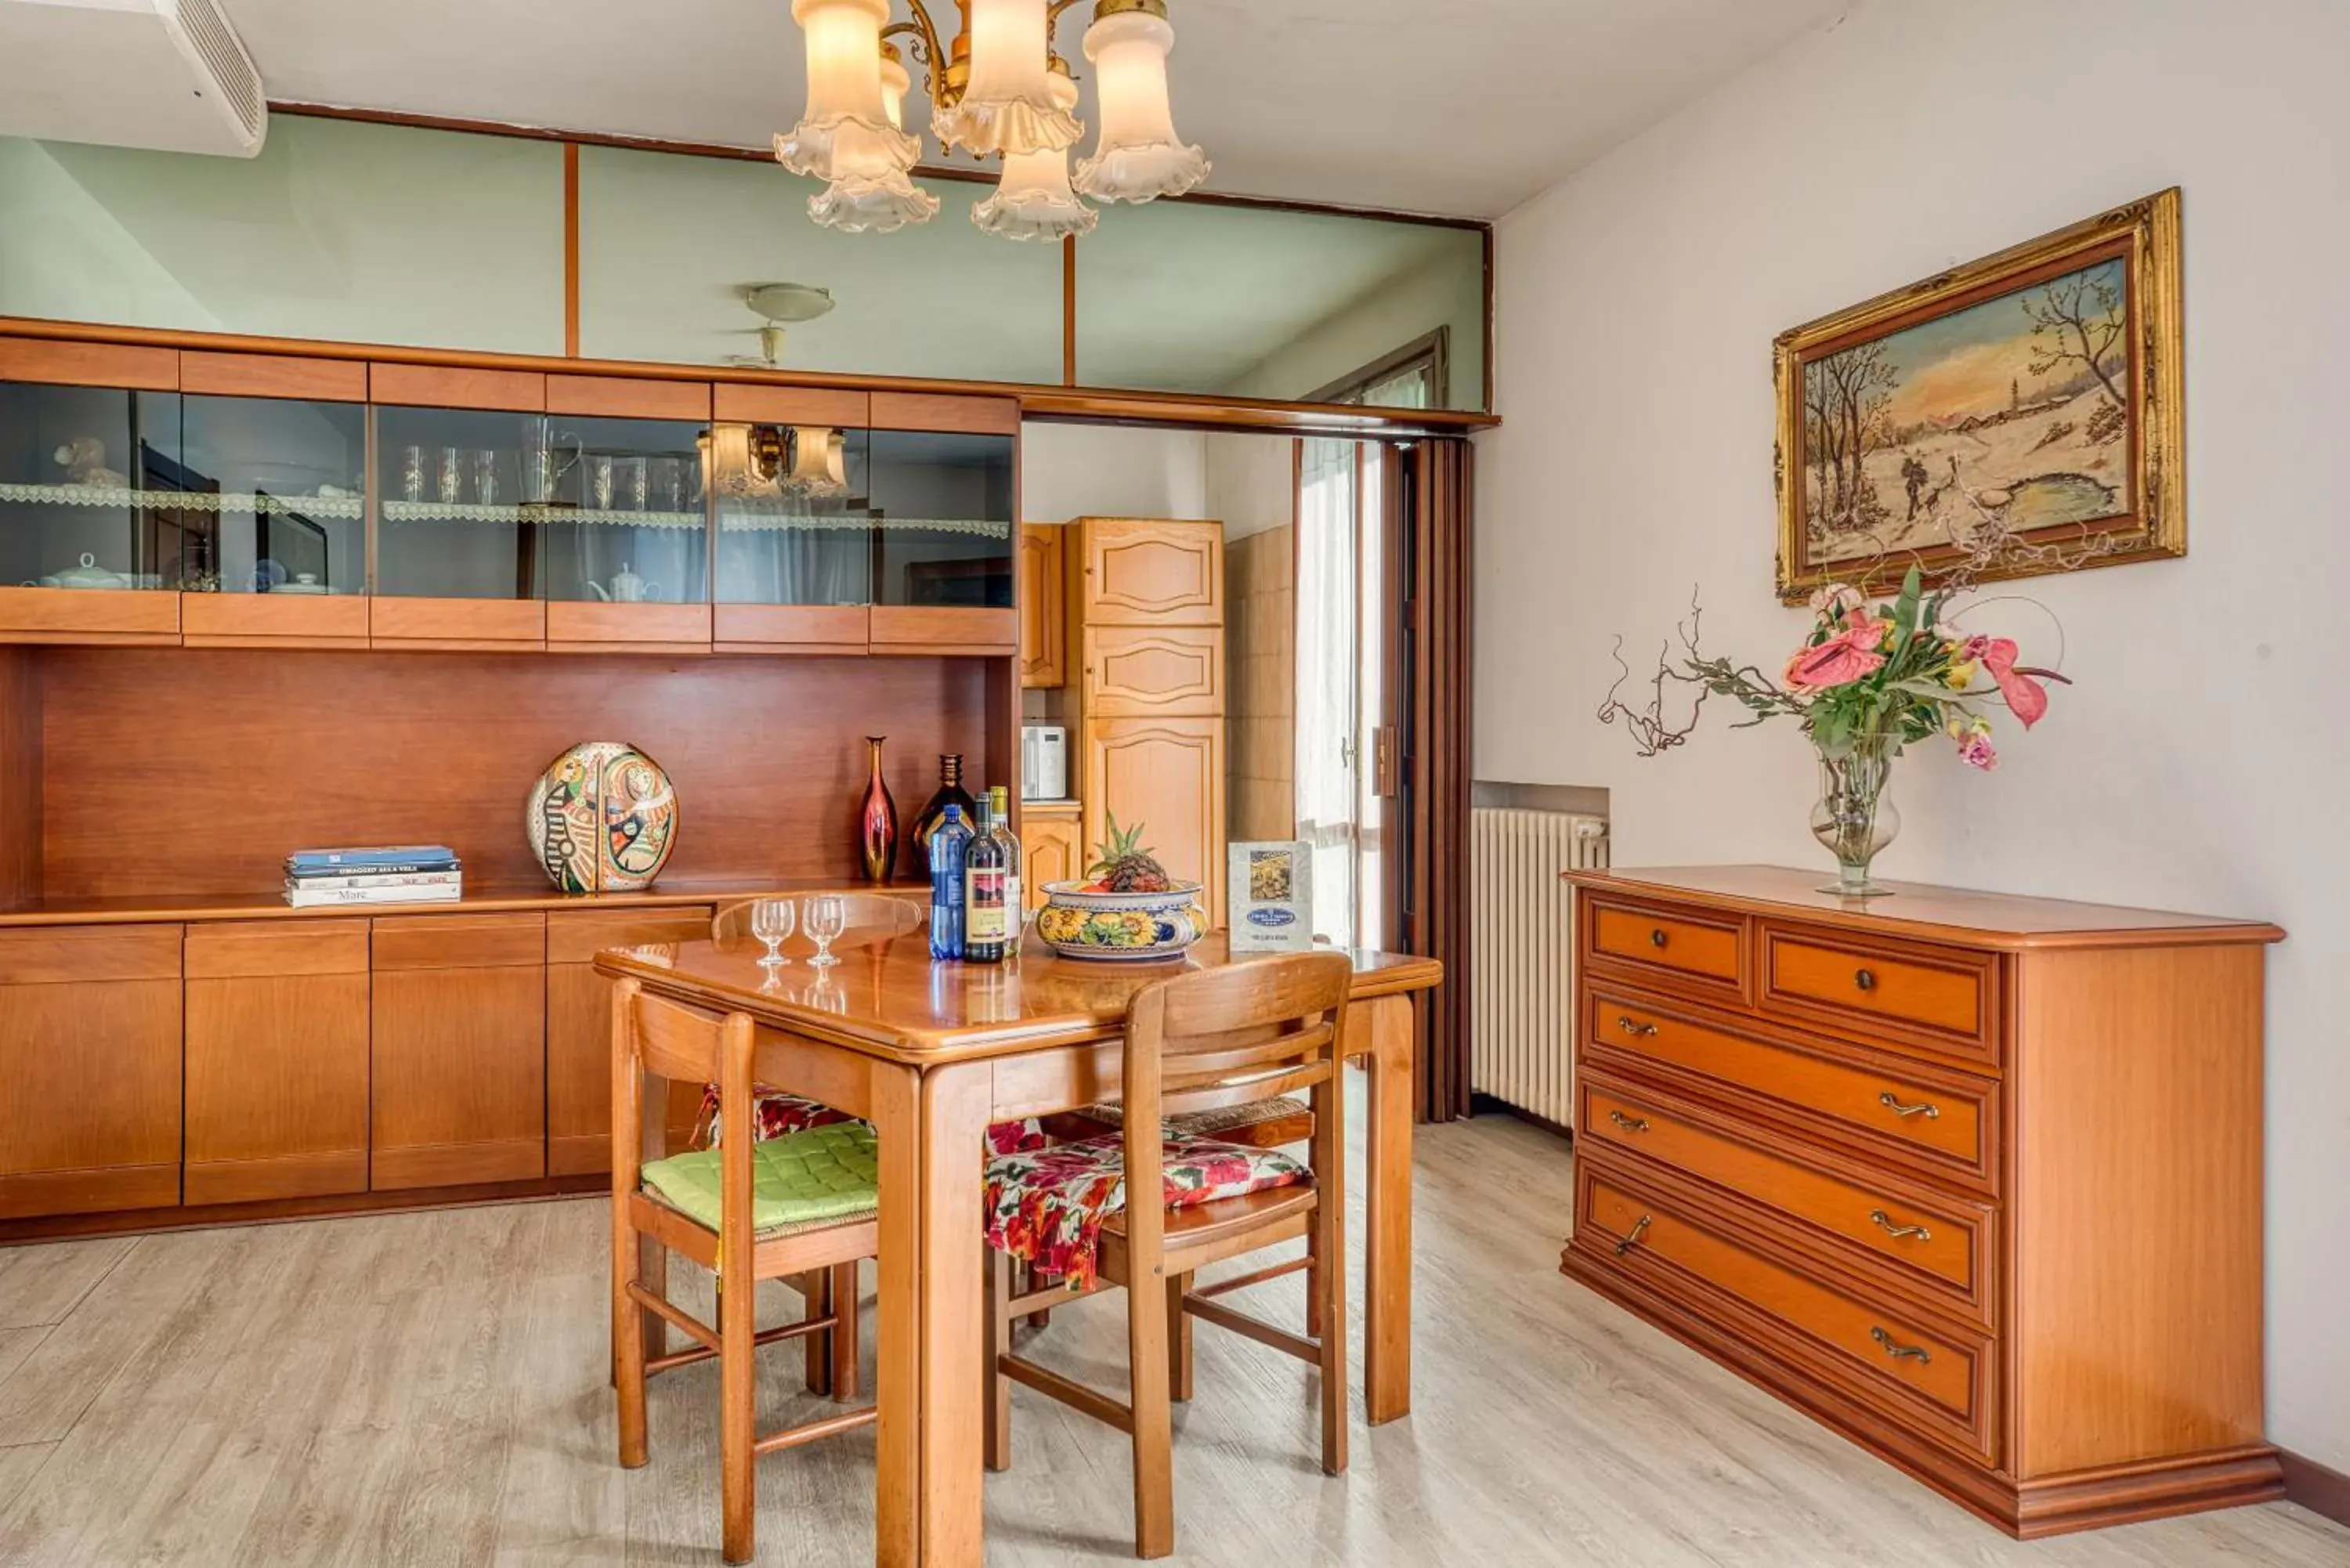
x=1265, y=1124
x=1047, y=1205
x=828, y=1174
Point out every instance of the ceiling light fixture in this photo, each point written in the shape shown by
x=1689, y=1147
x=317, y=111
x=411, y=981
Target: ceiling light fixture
x=998, y=91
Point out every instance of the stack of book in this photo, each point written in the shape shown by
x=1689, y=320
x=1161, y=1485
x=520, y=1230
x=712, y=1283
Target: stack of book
x=402, y=874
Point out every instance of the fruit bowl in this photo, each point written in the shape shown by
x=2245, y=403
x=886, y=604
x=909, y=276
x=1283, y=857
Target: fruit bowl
x=1127, y=928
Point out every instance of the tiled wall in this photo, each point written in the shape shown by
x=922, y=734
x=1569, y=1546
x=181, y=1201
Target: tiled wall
x=1259, y=647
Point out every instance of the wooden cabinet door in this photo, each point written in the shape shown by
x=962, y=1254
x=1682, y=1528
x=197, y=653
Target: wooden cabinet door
x=89, y=1069
x=580, y=1024
x=1136, y=572
x=459, y=1089
x=1167, y=778
x=1049, y=852
x=1135, y=671
x=277, y=1060
x=1043, y=606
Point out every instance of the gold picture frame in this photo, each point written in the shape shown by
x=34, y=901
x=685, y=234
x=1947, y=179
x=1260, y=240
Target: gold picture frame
x=1899, y=445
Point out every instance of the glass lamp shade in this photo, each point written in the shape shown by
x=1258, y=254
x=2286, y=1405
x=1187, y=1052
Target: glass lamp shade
x=844, y=92
x=818, y=461
x=1138, y=156
x=728, y=467
x=868, y=193
x=1008, y=107
x=1033, y=201
x=896, y=83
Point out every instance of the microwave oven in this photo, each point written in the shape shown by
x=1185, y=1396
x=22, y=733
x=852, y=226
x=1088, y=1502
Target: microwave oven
x=1043, y=761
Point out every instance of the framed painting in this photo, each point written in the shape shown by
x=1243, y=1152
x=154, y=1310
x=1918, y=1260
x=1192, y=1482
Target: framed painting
x=2017, y=416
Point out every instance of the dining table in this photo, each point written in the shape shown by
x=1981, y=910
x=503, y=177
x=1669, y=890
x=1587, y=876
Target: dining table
x=934, y=1052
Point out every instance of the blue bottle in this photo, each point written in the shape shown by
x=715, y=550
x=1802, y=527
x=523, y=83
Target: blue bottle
x=948, y=842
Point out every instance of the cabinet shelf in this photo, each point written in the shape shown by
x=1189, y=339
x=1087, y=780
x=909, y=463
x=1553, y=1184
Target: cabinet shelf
x=532, y=513
x=734, y=522
x=350, y=507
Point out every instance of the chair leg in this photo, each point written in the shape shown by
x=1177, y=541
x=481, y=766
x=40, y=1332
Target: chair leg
x=844, y=1333
x=1179, y=1339
x=1033, y=1278
x=1314, y=1283
x=999, y=1342
x=652, y=1273
x=815, y=1301
x=628, y=1341
x=1147, y=1356
x=738, y=1349
x=1330, y=1286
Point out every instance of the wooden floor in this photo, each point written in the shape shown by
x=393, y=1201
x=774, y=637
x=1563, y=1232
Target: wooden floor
x=430, y=1389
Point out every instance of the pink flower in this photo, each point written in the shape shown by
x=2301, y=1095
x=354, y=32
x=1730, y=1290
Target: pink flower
x=1975, y=750
x=1841, y=659
x=1831, y=602
x=2026, y=698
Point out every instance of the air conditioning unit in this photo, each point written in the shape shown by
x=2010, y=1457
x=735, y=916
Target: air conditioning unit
x=165, y=74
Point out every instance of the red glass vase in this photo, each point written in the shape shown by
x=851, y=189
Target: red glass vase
x=877, y=822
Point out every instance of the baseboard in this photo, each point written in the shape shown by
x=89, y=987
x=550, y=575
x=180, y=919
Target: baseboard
x=2316, y=1487
x=1482, y=1105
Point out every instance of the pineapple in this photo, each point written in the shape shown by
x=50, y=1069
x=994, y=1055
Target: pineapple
x=1127, y=868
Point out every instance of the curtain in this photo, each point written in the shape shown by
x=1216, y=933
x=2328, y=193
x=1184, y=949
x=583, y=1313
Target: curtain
x=1431, y=490
x=1325, y=658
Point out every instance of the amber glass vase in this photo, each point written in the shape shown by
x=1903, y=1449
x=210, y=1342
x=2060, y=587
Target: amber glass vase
x=877, y=821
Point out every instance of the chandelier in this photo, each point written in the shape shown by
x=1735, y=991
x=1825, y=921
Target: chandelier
x=997, y=91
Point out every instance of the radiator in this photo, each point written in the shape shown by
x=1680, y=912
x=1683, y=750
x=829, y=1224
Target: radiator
x=1520, y=954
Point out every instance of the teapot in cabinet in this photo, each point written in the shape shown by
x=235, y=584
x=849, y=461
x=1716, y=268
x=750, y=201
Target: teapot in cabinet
x=627, y=587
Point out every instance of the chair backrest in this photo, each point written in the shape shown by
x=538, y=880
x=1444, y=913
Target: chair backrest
x=872, y=918
x=653, y=1036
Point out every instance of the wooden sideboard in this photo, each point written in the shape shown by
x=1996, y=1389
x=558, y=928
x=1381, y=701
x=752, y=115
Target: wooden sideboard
x=1975, y=1179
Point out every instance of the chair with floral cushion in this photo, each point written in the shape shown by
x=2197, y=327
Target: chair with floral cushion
x=1211, y=1038
x=789, y=1208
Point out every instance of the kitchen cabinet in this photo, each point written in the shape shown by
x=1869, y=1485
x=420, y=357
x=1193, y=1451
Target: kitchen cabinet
x=459, y=1050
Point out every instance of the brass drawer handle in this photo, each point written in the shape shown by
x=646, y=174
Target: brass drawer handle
x=1629, y=1124
x=1884, y=1222
x=1625, y=1022
x=1926, y=1108
x=1865, y=979
x=1901, y=1351
x=1657, y=937
x=1632, y=1237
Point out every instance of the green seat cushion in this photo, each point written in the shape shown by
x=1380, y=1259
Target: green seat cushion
x=824, y=1175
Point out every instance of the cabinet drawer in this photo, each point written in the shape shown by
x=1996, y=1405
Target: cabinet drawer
x=1937, y=1120
x=459, y=941
x=1943, y=1000
x=1940, y=1244
x=1136, y=671
x=1705, y=947
x=1934, y=1381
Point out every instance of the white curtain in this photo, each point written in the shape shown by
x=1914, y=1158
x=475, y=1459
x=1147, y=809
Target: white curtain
x=1326, y=726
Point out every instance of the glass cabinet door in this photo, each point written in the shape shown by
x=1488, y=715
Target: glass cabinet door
x=93, y=493
x=289, y=480
x=451, y=485
x=795, y=514
x=625, y=522
x=944, y=525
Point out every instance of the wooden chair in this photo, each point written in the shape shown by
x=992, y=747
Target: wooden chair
x=872, y=918
x=656, y=1038
x=1211, y=1038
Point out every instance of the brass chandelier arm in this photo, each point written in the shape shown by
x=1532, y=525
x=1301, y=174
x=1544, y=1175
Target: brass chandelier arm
x=926, y=47
x=945, y=73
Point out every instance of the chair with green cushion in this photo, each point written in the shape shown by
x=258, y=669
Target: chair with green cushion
x=803, y=1205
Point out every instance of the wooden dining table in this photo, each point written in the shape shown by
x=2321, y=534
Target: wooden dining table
x=932, y=1054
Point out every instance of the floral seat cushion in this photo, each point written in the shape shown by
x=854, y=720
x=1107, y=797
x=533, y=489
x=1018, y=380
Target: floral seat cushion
x=1047, y=1205
x=780, y=1114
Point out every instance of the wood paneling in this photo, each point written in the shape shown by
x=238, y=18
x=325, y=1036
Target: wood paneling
x=761, y=404
x=142, y=754
x=456, y=625
x=1138, y=672
x=455, y=387
x=99, y=616
x=581, y=627
x=459, y=1081
x=1166, y=778
x=579, y=1025
x=63, y=362
x=1133, y=571
x=20, y=775
x=1049, y=852
x=790, y=629
x=89, y=1070
x=273, y=376
x=277, y=1025
x=272, y=620
x=931, y=629
x=1043, y=607
x=620, y=396
x=942, y=411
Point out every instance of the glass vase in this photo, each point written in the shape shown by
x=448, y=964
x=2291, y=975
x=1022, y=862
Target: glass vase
x=877, y=821
x=1854, y=816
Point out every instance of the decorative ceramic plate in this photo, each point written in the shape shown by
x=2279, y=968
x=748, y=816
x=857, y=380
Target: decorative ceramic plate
x=602, y=818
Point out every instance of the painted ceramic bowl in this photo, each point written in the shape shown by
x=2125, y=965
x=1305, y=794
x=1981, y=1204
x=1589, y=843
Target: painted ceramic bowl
x=1130, y=927
x=602, y=818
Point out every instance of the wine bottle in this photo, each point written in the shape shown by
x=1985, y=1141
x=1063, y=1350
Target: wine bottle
x=946, y=851
x=950, y=793
x=1015, y=909
x=985, y=919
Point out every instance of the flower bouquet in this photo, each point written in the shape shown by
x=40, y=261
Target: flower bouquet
x=1867, y=682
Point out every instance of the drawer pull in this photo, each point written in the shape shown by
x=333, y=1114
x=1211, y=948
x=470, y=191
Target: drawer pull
x=1926, y=1108
x=1632, y=1237
x=1656, y=938
x=1901, y=1351
x=1884, y=1222
x=1629, y=1027
x=1863, y=979
x=1629, y=1124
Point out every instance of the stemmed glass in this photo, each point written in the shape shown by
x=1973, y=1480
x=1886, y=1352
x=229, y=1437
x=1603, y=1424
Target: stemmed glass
x=825, y=918
x=771, y=922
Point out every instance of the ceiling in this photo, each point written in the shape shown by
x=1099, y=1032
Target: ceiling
x=1464, y=107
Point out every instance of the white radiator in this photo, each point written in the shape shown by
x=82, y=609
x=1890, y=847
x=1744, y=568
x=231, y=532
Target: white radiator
x=1520, y=954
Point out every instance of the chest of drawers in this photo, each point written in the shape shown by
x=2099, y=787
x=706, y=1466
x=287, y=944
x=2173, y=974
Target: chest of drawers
x=1975, y=1179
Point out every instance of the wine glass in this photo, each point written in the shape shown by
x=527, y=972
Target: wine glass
x=771, y=922
x=826, y=917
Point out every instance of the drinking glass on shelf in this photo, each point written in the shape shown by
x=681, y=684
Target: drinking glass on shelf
x=638, y=486
x=771, y=922
x=599, y=481
x=485, y=478
x=826, y=917
x=453, y=476
x=411, y=473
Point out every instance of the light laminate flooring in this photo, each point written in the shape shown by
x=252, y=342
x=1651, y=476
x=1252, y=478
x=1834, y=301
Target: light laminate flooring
x=431, y=1389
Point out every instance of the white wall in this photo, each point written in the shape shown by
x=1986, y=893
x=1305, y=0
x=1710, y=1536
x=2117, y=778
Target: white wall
x=1448, y=292
x=1252, y=483
x=1111, y=470
x=2198, y=762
